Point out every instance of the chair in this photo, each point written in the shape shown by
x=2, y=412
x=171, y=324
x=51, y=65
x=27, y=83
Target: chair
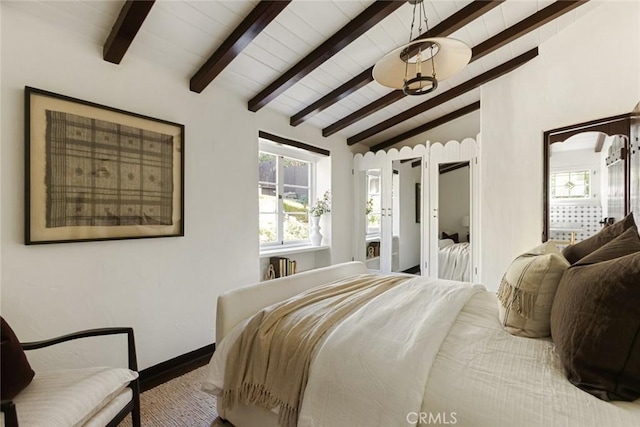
x=91, y=395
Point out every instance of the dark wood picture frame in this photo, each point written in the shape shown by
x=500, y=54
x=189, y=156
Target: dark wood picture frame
x=94, y=172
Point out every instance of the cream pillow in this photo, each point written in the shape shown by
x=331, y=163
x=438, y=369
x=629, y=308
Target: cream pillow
x=527, y=290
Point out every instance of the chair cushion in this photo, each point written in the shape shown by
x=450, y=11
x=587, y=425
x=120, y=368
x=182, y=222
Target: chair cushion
x=69, y=397
x=110, y=410
x=16, y=373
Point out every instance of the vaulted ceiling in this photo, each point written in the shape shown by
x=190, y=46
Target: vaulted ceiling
x=312, y=60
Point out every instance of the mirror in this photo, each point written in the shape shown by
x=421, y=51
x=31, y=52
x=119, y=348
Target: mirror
x=454, y=213
x=373, y=218
x=453, y=207
x=386, y=236
x=586, y=178
x=406, y=182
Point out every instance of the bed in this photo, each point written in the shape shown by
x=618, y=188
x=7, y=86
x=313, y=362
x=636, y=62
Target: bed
x=507, y=380
x=454, y=260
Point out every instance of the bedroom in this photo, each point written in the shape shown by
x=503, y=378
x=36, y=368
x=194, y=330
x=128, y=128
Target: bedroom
x=166, y=288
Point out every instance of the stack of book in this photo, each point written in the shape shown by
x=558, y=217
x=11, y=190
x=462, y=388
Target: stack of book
x=282, y=266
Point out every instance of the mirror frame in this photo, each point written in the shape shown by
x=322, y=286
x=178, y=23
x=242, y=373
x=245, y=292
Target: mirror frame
x=614, y=125
x=452, y=152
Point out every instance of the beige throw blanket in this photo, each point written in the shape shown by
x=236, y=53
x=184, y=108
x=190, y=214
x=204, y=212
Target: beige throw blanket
x=268, y=365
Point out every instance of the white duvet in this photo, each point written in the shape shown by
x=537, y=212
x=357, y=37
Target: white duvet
x=490, y=378
x=454, y=262
x=481, y=376
x=355, y=380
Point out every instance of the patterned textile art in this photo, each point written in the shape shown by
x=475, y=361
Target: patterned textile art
x=101, y=173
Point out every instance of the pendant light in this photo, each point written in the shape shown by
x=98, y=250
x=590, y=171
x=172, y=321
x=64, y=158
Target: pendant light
x=417, y=66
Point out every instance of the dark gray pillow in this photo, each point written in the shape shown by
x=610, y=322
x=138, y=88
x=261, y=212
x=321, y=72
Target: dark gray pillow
x=595, y=325
x=581, y=249
x=625, y=244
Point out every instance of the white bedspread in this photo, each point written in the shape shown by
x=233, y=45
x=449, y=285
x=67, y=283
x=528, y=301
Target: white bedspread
x=454, y=262
x=489, y=378
x=481, y=375
x=356, y=381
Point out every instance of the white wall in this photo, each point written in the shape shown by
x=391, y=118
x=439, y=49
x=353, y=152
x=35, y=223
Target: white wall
x=454, y=195
x=165, y=288
x=588, y=71
x=467, y=126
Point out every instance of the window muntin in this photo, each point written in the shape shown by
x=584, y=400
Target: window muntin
x=285, y=188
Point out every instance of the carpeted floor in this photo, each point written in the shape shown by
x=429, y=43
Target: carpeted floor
x=178, y=403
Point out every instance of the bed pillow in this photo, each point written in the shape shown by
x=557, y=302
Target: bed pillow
x=453, y=237
x=444, y=243
x=16, y=373
x=527, y=290
x=573, y=253
x=595, y=325
x=625, y=244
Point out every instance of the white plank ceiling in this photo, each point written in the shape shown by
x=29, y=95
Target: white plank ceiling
x=181, y=35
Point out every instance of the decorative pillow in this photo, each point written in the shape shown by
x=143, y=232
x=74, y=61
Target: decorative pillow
x=581, y=249
x=595, y=325
x=527, y=290
x=16, y=373
x=453, y=237
x=625, y=244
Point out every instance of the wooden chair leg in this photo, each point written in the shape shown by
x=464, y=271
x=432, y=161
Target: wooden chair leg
x=10, y=414
x=135, y=412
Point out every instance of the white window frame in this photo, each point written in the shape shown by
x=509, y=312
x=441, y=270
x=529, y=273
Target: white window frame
x=281, y=151
x=590, y=200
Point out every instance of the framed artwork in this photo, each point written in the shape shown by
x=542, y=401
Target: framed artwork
x=99, y=173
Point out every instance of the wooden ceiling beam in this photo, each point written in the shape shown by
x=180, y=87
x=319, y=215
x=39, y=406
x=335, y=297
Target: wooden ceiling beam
x=355, y=28
x=427, y=126
x=531, y=23
x=599, y=142
x=451, y=24
x=249, y=28
x=450, y=167
x=346, y=89
x=501, y=39
x=131, y=17
x=446, y=96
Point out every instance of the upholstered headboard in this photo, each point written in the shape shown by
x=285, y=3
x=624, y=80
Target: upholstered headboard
x=238, y=304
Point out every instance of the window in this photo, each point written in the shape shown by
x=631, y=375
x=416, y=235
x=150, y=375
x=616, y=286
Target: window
x=373, y=202
x=285, y=186
x=570, y=185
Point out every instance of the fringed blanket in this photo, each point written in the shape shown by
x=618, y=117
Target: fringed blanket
x=268, y=365
x=373, y=368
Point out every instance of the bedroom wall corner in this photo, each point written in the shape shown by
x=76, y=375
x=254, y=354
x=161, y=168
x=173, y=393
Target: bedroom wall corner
x=562, y=86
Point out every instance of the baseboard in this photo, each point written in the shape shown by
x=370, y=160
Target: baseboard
x=165, y=371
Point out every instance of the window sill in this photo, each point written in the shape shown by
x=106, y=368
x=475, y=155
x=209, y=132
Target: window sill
x=264, y=253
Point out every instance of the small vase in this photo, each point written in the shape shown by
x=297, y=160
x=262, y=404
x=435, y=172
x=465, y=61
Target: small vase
x=315, y=236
